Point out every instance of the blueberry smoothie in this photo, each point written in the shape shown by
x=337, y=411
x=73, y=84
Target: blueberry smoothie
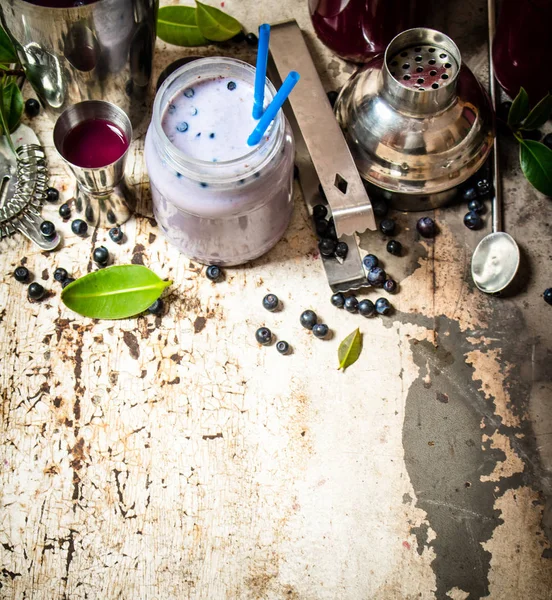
x=217, y=199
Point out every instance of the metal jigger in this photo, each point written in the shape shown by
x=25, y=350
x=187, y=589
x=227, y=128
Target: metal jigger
x=102, y=196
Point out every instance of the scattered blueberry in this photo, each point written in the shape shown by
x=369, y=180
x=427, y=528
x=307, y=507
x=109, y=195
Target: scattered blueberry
x=67, y=282
x=327, y=246
x=116, y=234
x=469, y=194
x=60, y=274
x=308, y=319
x=531, y=134
x=476, y=206
x=376, y=276
x=366, y=308
x=338, y=300
x=21, y=274
x=426, y=227
x=182, y=127
x=370, y=261
x=321, y=227
x=394, y=247
x=483, y=188
x=387, y=227
x=548, y=295
x=157, y=307
x=351, y=304
x=282, y=347
x=379, y=207
x=341, y=250
x=239, y=37
x=189, y=92
x=251, y=39
x=547, y=140
x=101, y=256
x=390, y=286
x=52, y=195
x=231, y=85
x=472, y=220
x=319, y=211
x=271, y=302
x=213, y=272
x=79, y=227
x=48, y=230
x=65, y=211
x=382, y=306
x=263, y=335
x=35, y=291
x=211, y=135
x=332, y=97
x=320, y=330
x=32, y=107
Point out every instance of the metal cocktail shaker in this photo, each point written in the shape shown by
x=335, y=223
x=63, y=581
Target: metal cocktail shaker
x=100, y=51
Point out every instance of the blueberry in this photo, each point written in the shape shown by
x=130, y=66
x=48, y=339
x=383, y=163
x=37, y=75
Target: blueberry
x=327, y=246
x=157, y=307
x=189, y=92
x=251, y=39
x=341, y=250
x=116, y=234
x=239, y=37
x=547, y=140
x=476, y=206
x=271, y=302
x=35, y=291
x=320, y=330
x=101, y=256
x=531, y=134
x=213, y=272
x=60, y=274
x=338, y=300
x=379, y=207
x=231, y=85
x=282, y=347
x=366, y=308
x=79, y=227
x=52, y=195
x=483, y=188
x=67, y=282
x=390, y=286
x=548, y=295
x=308, y=319
x=319, y=212
x=48, y=230
x=351, y=304
x=472, y=220
x=376, y=276
x=263, y=335
x=370, y=261
x=332, y=97
x=21, y=274
x=387, y=227
x=426, y=227
x=382, y=306
x=321, y=227
x=32, y=107
x=182, y=127
x=469, y=194
x=503, y=110
x=211, y=135
x=394, y=247
x=65, y=211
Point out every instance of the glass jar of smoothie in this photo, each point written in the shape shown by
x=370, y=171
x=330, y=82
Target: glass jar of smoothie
x=218, y=200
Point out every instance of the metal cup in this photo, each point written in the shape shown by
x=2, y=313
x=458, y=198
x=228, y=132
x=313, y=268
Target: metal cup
x=102, y=196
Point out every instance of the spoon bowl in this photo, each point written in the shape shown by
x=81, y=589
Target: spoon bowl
x=495, y=262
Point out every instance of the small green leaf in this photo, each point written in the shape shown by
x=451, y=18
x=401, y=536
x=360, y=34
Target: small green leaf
x=540, y=114
x=8, y=54
x=349, y=349
x=116, y=292
x=12, y=104
x=536, y=163
x=519, y=109
x=177, y=25
x=216, y=25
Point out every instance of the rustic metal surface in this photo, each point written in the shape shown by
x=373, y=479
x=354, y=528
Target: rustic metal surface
x=171, y=457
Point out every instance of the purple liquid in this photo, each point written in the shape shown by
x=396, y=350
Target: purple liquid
x=61, y=3
x=94, y=143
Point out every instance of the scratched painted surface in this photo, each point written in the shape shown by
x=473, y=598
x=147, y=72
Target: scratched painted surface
x=161, y=458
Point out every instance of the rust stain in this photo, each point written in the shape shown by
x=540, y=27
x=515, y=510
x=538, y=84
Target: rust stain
x=138, y=254
x=45, y=275
x=134, y=347
x=199, y=324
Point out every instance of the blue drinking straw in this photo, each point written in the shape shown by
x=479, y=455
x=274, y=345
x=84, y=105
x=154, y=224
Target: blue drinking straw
x=260, y=73
x=273, y=108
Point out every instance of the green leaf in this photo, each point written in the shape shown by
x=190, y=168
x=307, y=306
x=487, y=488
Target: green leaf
x=116, y=292
x=540, y=114
x=8, y=54
x=177, y=25
x=519, y=109
x=12, y=104
x=216, y=25
x=536, y=163
x=349, y=349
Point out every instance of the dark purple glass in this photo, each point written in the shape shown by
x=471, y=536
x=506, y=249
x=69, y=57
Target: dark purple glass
x=61, y=3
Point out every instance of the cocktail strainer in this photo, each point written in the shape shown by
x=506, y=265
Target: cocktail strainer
x=417, y=121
